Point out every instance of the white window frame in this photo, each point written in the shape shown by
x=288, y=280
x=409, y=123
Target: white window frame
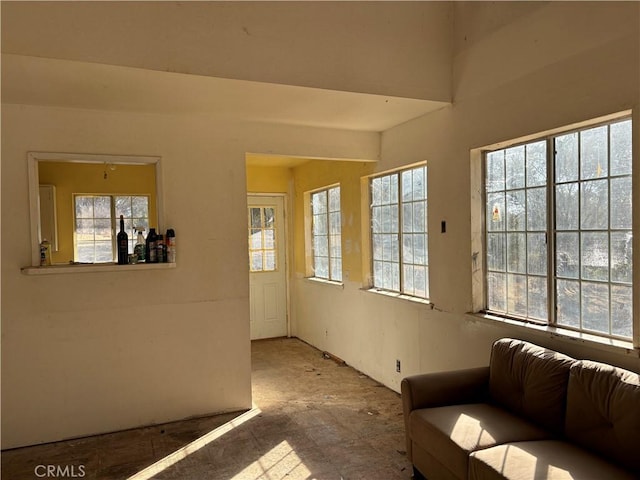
x=404, y=263
x=114, y=222
x=330, y=233
x=479, y=261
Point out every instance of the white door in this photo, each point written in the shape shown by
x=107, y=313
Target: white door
x=267, y=277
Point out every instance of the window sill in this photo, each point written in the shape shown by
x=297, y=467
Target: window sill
x=620, y=347
x=401, y=296
x=94, y=268
x=322, y=281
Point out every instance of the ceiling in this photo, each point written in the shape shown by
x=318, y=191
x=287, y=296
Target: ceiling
x=64, y=83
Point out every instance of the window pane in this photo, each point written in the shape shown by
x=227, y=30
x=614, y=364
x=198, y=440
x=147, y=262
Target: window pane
x=595, y=256
x=103, y=252
x=407, y=217
x=567, y=158
x=334, y=199
x=419, y=216
x=537, y=209
x=420, y=281
x=517, y=295
x=497, y=292
x=496, y=252
x=334, y=223
x=536, y=254
x=256, y=261
x=567, y=207
x=140, y=206
x=595, y=307
x=255, y=239
x=621, y=203
x=255, y=217
x=269, y=260
x=85, y=230
x=516, y=253
x=594, y=148
x=123, y=207
x=622, y=310
x=495, y=171
x=594, y=205
x=269, y=238
x=336, y=269
x=537, y=299
x=420, y=249
x=419, y=183
x=495, y=212
x=536, y=164
x=514, y=167
x=319, y=202
x=621, y=257
x=407, y=185
x=102, y=207
x=567, y=254
x=320, y=225
x=568, y=295
x=84, y=207
x=621, y=148
x=516, y=210
x=407, y=248
x=269, y=217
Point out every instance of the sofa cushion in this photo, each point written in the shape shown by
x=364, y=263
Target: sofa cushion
x=530, y=381
x=450, y=433
x=548, y=460
x=603, y=411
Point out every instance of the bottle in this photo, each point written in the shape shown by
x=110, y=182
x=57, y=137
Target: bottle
x=171, y=245
x=45, y=253
x=160, y=249
x=140, y=247
x=150, y=251
x=123, y=244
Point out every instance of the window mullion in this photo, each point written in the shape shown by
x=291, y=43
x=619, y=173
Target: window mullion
x=399, y=237
x=552, y=308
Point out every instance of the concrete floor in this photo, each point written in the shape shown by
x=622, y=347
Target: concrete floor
x=314, y=419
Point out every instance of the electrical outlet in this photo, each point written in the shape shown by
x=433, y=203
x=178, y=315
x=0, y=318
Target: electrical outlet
x=398, y=366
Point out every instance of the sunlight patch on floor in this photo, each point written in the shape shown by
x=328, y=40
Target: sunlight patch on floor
x=194, y=446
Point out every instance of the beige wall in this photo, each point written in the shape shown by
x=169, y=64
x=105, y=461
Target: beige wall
x=520, y=68
x=329, y=45
x=93, y=352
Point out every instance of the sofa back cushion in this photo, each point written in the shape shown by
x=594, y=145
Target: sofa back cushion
x=603, y=411
x=531, y=381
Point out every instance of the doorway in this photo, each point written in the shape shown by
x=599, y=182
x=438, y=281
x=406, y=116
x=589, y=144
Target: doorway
x=267, y=266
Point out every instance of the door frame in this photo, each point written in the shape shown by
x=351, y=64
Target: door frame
x=287, y=255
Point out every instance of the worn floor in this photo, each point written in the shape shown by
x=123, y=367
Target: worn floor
x=313, y=419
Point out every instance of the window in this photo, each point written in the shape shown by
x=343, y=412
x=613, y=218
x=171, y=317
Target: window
x=558, y=230
x=262, y=239
x=326, y=234
x=97, y=223
x=399, y=237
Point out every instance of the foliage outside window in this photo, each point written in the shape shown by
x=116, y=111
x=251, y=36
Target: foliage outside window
x=96, y=224
x=399, y=234
x=559, y=231
x=327, y=234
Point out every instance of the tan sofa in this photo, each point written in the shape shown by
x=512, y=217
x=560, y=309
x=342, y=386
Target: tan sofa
x=531, y=414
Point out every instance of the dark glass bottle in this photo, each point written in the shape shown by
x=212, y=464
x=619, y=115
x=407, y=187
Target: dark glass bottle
x=150, y=253
x=160, y=249
x=123, y=244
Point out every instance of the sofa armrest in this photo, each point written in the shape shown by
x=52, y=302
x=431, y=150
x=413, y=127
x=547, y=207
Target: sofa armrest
x=440, y=389
x=445, y=388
